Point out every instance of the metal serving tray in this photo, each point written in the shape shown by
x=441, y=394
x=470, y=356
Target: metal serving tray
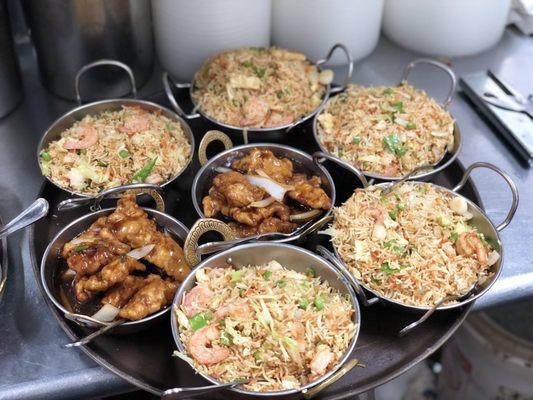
x=145, y=358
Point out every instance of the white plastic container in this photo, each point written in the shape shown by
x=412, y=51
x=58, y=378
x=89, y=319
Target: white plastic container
x=188, y=31
x=313, y=26
x=452, y=28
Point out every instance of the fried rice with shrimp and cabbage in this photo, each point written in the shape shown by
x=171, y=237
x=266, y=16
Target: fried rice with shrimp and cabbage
x=259, y=87
x=414, y=245
x=281, y=328
x=385, y=130
x=116, y=148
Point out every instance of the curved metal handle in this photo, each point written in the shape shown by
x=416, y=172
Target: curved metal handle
x=349, y=71
x=427, y=314
x=187, y=392
x=508, y=180
x=439, y=65
x=84, y=320
x=37, y=210
x=406, y=177
x=328, y=255
x=136, y=188
x=332, y=379
x=319, y=157
x=200, y=227
x=89, y=338
x=210, y=137
x=98, y=63
x=167, y=80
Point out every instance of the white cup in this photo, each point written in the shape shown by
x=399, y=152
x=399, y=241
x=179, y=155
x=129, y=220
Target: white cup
x=189, y=31
x=313, y=26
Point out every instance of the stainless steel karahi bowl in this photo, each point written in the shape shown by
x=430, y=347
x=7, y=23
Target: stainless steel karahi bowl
x=302, y=163
x=67, y=120
x=291, y=257
x=426, y=174
x=480, y=220
x=51, y=261
x=276, y=133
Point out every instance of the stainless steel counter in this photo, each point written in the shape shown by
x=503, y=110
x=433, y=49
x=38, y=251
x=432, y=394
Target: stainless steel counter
x=33, y=364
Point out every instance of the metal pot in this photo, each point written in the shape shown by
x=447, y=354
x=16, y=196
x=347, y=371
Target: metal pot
x=291, y=257
x=447, y=159
x=480, y=220
x=49, y=262
x=71, y=33
x=274, y=134
x=203, y=180
x=67, y=120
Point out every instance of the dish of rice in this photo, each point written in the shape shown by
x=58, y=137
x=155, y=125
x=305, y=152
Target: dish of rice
x=259, y=87
x=388, y=131
x=116, y=148
x=414, y=245
x=280, y=328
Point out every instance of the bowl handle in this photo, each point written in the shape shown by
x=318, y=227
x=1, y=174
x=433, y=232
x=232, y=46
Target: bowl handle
x=167, y=80
x=508, y=180
x=200, y=227
x=37, y=210
x=350, y=364
x=209, y=137
x=349, y=70
x=135, y=188
x=438, y=64
x=339, y=266
x=98, y=63
x=319, y=157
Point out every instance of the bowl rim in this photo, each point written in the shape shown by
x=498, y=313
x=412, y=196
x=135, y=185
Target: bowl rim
x=227, y=253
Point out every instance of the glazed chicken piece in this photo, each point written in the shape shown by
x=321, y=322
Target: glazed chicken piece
x=152, y=297
x=130, y=224
x=254, y=216
x=279, y=169
x=122, y=292
x=268, y=225
x=309, y=193
x=236, y=189
x=115, y=272
x=91, y=259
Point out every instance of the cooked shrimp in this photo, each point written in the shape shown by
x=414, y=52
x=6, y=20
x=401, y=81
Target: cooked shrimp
x=277, y=119
x=88, y=136
x=201, y=348
x=320, y=362
x=448, y=249
x=391, y=170
x=196, y=300
x=154, y=178
x=255, y=111
x=136, y=123
x=238, y=310
x=375, y=213
x=468, y=244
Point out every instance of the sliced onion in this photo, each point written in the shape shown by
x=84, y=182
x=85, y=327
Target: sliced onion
x=305, y=216
x=69, y=273
x=223, y=170
x=263, y=203
x=493, y=258
x=274, y=189
x=107, y=313
x=263, y=174
x=141, y=251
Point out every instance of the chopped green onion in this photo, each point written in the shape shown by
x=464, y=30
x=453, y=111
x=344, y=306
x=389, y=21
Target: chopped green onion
x=319, y=302
x=454, y=236
x=281, y=283
x=303, y=303
x=226, y=339
x=400, y=206
x=279, y=94
x=123, y=153
x=198, y=321
x=290, y=342
x=241, y=292
x=388, y=91
x=168, y=125
x=385, y=267
x=356, y=140
x=236, y=276
x=393, y=214
x=45, y=156
x=410, y=126
x=267, y=275
x=247, y=64
x=398, y=106
x=304, y=285
x=80, y=248
x=310, y=272
x=260, y=72
x=257, y=356
x=376, y=281
x=143, y=173
x=422, y=189
x=392, y=144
